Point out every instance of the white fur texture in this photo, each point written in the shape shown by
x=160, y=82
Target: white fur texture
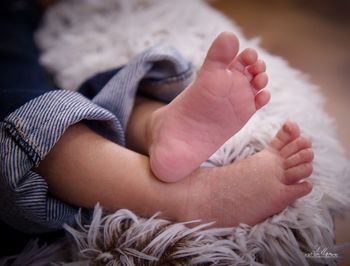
x=80, y=38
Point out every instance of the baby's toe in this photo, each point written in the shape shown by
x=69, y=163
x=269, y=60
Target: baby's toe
x=222, y=52
x=296, y=173
x=246, y=58
x=288, y=132
x=303, y=156
x=261, y=99
x=297, y=190
x=257, y=68
x=295, y=146
x=259, y=81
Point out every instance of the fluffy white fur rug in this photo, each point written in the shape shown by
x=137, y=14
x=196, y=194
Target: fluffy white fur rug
x=80, y=38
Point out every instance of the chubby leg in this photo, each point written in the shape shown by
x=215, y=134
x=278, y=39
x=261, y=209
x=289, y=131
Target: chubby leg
x=83, y=168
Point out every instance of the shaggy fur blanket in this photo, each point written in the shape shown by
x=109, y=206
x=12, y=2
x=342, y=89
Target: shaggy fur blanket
x=80, y=38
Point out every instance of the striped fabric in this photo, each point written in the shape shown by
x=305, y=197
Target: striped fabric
x=28, y=134
x=164, y=74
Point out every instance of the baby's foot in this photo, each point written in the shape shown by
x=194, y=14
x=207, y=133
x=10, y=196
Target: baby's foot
x=255, y=188
x=226, y=93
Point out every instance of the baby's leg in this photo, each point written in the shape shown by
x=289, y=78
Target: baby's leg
x=226, y=93
x=83, y=168
x=255, y=188
x=247, y=191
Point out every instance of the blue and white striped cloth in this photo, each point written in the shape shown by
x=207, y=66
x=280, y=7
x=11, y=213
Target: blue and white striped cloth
x=28, y=134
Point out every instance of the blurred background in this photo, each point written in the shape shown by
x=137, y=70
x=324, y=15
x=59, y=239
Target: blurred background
x=314, y=36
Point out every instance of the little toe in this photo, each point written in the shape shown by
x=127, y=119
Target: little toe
x=296, y=173
x=261, y=99
x=222, y=51
x=295, y=146
x=259, y=81
x=303, y=156
x=297, y=190
x=247, y=57
x=257, y=68
x=288, y=132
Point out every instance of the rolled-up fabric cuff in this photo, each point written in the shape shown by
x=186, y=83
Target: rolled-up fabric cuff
x=159, y=72
x=26, y=136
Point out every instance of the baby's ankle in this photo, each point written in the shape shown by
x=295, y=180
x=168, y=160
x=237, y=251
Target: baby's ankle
x=152, y=129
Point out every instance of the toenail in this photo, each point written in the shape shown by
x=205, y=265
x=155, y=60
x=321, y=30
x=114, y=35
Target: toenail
x=287, y=128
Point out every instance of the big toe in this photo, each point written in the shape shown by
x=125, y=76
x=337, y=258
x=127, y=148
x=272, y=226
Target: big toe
x=222, y=51
x=297, y=190
x=297, y=173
